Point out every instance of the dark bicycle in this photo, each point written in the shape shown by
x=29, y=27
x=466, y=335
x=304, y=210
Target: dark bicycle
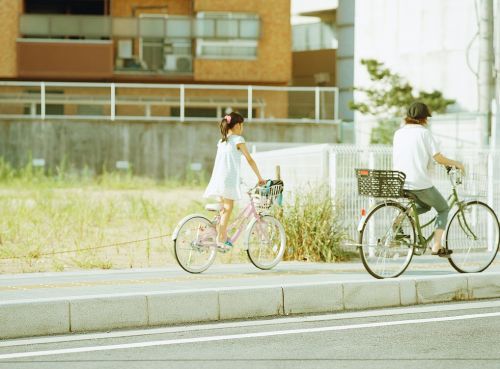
x=391, y=233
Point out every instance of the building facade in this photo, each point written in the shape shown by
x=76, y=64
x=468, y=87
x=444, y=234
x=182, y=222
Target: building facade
x=185, y=41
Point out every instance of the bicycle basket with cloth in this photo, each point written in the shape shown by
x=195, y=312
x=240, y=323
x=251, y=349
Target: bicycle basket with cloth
x=265, y=196
x=380, y=183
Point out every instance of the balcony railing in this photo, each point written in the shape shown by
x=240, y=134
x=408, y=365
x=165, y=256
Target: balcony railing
x=313, y=36
x=166, y=102
x=56, y=26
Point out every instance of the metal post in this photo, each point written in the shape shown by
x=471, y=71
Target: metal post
x=42, y=100
x=491, y=189
x=250, y=101
x=182, y=104
x=336, y=104
x=113, y=102
x=496, y=123
x=485, y=71
x=333, y=173
x=316, y=104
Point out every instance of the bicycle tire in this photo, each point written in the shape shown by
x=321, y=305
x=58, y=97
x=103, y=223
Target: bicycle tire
x=475, y=223
x=371, y=243
x=274, y=248
x=204, y=250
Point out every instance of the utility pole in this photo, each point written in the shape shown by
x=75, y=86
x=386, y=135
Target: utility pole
x=485, y=71
x=496, y=129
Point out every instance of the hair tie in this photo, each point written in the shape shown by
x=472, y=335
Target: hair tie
x=228, y=118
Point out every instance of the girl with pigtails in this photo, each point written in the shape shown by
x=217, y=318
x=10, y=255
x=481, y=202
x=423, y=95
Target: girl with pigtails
x=225, y=181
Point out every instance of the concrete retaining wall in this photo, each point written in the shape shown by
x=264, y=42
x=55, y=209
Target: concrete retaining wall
x=153, y=149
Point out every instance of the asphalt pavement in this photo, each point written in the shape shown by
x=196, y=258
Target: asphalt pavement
x=452, y=335
x=37, y=286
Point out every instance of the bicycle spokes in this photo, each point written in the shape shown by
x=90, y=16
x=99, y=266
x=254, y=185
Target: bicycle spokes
x=195, y=245
x=473, y=236
x=387, y=240
x=266, y=242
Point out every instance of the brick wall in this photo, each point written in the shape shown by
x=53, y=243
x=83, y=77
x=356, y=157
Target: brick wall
x=9, y=30
x=273, y=64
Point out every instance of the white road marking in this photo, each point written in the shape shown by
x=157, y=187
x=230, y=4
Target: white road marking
x=252, y=323
x=243, y=336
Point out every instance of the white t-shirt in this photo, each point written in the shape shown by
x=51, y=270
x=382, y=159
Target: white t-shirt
x=413, y=149
x=225, y=180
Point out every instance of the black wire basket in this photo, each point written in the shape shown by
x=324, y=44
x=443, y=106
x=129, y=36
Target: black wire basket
x=380, y=183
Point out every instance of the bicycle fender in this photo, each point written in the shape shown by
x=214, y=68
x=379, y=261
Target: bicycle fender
x=186, y=218
x=361, y=222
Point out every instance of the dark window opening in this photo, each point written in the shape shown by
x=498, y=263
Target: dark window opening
x=50, y=109
x=75, y=7
x=195, y=112
x=206, y=112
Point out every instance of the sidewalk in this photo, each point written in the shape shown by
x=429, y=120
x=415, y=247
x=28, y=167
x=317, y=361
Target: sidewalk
x=57, y=303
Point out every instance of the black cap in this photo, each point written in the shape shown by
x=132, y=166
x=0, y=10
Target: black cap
x=418, y=110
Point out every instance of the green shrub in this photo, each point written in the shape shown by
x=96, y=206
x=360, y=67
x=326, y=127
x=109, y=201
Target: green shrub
x=313, y=228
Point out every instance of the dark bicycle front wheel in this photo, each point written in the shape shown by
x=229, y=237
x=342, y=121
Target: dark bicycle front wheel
x=473, y=234
x=387, y=239
x=266, y=242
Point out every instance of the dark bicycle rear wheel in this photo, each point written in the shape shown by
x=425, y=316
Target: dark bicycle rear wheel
x=387, y=239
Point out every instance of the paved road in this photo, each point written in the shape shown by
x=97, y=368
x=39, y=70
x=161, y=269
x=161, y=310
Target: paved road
x=460, y=335
x=62, y=285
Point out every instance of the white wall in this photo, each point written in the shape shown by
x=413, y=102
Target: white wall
x=423, y=40
x=454, y=131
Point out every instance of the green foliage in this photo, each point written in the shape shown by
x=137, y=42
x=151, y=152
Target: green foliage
x=313, y=227
x=389, y=97
x=384, y=132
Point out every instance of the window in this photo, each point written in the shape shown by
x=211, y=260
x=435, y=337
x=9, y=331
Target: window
x=152, y=54
x=194, y=112
x=50, y=109
x=227, y=35
x=227, y=49
x=166, y=44
x=313, y=36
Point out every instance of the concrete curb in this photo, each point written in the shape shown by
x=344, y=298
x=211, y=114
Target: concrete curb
x=97, y=313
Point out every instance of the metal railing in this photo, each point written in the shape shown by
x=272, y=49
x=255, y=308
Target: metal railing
x=95, y=26
x=170, y=102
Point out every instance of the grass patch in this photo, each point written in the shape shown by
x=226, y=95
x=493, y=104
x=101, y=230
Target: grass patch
x=54, y=213
x=72, y=215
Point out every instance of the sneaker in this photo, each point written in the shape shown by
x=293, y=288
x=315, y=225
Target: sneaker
x=442, y=252
x=224, y=246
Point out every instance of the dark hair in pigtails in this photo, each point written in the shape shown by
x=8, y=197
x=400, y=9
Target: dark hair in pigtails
x=228, y=122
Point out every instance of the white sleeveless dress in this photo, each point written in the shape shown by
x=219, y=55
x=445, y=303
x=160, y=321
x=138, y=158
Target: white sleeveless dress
x=225, y=180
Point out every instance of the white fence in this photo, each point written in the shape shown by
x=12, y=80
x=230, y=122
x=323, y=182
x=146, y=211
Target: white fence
x=334, y=165
x=169, y=102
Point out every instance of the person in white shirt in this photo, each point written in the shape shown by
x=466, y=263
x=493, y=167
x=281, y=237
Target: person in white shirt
x=225, y=181
x=414, y=147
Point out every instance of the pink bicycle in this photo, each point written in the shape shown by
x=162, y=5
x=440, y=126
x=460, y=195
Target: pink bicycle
x=265, y=241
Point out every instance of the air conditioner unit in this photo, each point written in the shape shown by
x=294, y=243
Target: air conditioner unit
x=125, y=49
x=178, y=63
